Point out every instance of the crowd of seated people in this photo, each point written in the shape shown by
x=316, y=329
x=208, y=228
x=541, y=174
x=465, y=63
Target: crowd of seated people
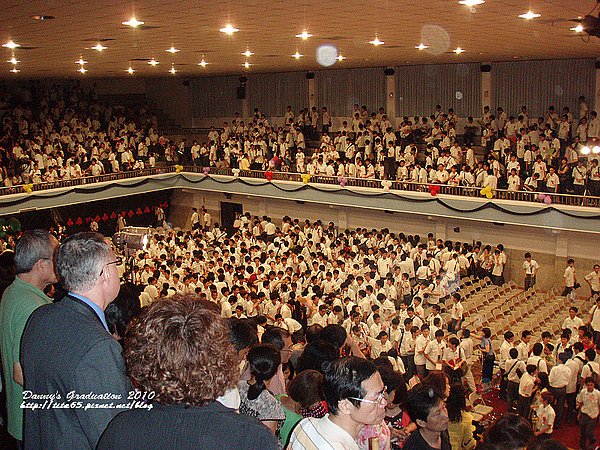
x=305, y=299
x=63, y=132
x=520, y=153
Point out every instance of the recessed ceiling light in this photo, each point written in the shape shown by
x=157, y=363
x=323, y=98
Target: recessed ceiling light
x=203, y=63
x=11, y=45
x=172, y=71
x=529, y=15
x=421, y=46
x=99, y=47
x=153, y=62
x=376, y=41
x=458, y=50
x=297, y=55
x=82, y=70
x=246, y=65
x=471, y=2
x=14, y=70
x=133, y=22
x=229, y=29
x=172, y=50
x=304, y=35
x=13, y=60
x=81, y=61
x=578, y=28
x=247, y=53
x=42, y=17
x=130, y=71
x=340, y=57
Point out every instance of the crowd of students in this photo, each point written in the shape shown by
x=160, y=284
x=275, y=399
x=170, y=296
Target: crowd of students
x=541, y=154
x=396, y=300
x=63, y=132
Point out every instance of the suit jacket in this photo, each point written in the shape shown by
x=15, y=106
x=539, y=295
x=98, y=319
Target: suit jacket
x=66, y=350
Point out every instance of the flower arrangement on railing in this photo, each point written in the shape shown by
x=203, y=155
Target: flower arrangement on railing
x=236, y=172
x=206, y=170
x=305, y=178
x=343, y=181
x=269, y=175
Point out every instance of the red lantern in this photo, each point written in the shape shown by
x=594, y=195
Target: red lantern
x=97, y=218
x=130, y=213
x=139, y=212
x=79, y=221
x=104, y=217
x=70, y=222
x=146, y=210
x=88, y=219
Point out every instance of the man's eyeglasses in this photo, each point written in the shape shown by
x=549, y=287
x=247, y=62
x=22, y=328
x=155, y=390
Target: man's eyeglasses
x=378, y=401
x=117, y=262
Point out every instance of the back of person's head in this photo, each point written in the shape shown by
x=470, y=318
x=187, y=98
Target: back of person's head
x=439, y=382
x=243, y=335
x=343, y=381
x=80, y=260
x=313, y=332
x=456, y=402
x=510, y=432
x=394, y=382
x=537, y=349
x=186, y=339
x=548, y=444
x=33, y=246
x=307, y=388
x=315, y=354
x=334, y=334
x=264, y=361
x=275, y=336
x=124, y=308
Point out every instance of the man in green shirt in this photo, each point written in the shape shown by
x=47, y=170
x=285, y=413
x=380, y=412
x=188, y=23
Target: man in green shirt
x=34, y=263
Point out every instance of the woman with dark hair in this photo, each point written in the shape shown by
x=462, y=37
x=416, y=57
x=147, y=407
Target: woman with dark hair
x=179, y=355
x=461, y=426
x=122, y=310
x=510, y=432
x=439, y=382
x=315, y=354
x=307, y=391
x=428, y=411
x=487, y=353
x=396, y=415
x=256, y=400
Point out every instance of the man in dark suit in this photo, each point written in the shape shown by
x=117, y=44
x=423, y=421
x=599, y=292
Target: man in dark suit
x=73, y=368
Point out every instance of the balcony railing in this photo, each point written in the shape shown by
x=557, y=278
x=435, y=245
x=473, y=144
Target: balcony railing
x=440, y=189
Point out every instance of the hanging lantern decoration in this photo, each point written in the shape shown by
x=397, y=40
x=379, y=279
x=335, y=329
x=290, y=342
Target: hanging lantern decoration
x=206, y=170
x=487, y=192
x=269, y=175
x=386, y=184
x=236, y=172
x=434, y=189
x=305, y=178
x=343, y=181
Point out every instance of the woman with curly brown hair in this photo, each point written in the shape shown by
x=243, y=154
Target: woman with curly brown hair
x=179, y=355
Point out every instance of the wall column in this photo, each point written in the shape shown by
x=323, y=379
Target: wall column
x=390, y=107
x=596, y=105
x=486, y=88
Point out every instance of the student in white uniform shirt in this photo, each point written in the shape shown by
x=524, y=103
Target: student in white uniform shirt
x=572, y=321
x=531, y=268
x=544, y=426
x=588, y=403
x=514, y=368
x=593, y=279
x=433, y=352
x=559, y=378
x=594, y=320
x=569, y=278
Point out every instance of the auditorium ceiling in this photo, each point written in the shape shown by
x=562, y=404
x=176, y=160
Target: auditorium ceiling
x=488, y=32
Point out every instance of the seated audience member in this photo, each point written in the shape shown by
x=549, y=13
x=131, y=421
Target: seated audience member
x=427, y=409
x=355, y=395
x=188, y=340
x=256, y=400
